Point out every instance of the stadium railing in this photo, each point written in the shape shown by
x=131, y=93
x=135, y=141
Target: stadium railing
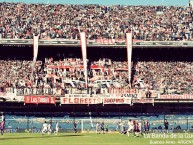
x=94, y=43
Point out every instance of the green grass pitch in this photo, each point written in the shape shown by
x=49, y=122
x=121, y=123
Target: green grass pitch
x=93, y=139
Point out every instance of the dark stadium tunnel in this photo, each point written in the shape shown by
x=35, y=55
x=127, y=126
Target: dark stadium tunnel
x=15, y=52
x=162, y=54
x=94, y=53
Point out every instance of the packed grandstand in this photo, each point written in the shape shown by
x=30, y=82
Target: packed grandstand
x=149, y=23
x=66, y=75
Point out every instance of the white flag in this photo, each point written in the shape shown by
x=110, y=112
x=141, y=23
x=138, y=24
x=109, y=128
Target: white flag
x=35, y=51
x=35, y=48
x=129, y=53
x=84, y=55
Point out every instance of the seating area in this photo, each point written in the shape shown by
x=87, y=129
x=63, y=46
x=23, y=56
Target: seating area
x=51, y=21
x=67, y=76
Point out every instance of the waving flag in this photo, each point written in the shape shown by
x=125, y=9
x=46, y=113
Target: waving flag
x=35, y=51
x=84, y=55
x=129, y=53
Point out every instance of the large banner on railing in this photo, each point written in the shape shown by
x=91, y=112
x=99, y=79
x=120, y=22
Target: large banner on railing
x=19, y=98
x=143, y=101
x=129, y=53
x=7, y=96
x=176, y=96
x=133, y=96
x=116, y=100
x=98, y=42
x=109, y=41
x=84, y=55
x=39, y=100
x=121, y=91
x=80, y=100
x=77, y=95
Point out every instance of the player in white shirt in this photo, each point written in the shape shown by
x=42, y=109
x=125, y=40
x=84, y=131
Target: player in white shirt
x=130, y=126
x=57, y=128
x=97, y=127
x=44, y=128
x=2, y=118
x=49, y=130
x=2, y=123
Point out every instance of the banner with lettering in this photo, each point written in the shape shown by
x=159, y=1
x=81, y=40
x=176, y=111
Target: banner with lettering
x=77, y=95
x=19, y=98
x=74, y=66
x=39, y=100
x=116, y=100
x=143, y=101
x=80, y=100
x=109, y=41
x=121, y=91
x=176, y=96
x=133, y=96
x=102, y=95
x=7, y=96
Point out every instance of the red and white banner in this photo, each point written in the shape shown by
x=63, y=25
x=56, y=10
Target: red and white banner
x=112, y=41
x=84, y=55
x=143, y=101
x=129, y=53
x=109, y=41
x=121, y=91
x=116, y=100
x=39, y=100
x=133, y=96
x=175, y=96
x=77, y=95
x=80, y=100
x=75, y=66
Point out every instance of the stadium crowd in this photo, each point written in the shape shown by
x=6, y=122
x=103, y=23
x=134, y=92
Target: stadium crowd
x=150, y=23
x=67, y=76
x=60, y=77
x=167, y=77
